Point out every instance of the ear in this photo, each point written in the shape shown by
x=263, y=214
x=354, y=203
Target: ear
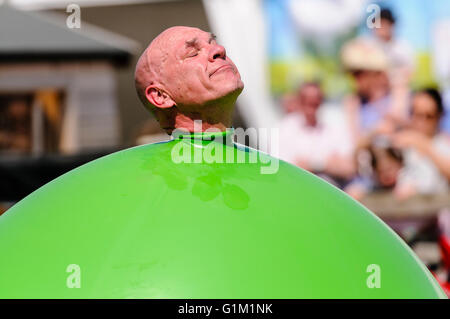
x=158, y=97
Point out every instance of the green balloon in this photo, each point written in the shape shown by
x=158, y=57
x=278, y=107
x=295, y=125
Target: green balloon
x=195, y=217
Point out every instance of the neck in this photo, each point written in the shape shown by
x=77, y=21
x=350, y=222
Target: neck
x=214, y=115
x=311, y=120
x=195, y=123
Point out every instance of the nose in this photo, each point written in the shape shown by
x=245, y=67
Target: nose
x=217, y=52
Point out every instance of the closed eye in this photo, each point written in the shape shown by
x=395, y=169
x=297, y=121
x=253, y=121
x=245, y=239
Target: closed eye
x=192, y=54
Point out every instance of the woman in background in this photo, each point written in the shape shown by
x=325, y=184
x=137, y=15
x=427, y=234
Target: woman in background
x=426, y=149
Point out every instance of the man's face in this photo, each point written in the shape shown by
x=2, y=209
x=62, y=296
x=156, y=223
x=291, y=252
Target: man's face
x=386, y=30
x=368, y=81
x=363, y=81
x=310, y=99
x=197, y=70
x=425, y=116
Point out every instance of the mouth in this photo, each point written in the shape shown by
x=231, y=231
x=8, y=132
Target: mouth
x=222, y=68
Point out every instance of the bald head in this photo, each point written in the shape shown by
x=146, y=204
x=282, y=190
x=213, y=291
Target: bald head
x=184, y=70
x=149, y=68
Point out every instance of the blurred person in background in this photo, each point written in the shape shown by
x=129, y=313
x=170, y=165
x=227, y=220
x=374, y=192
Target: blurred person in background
x=289, y=102
x=398, y=52
x=368, y=108
x=381, y=66
x=378, y=168
x=401, y=62
x=426, y=148
x=311, y=141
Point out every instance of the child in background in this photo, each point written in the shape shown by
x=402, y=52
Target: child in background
x=379, y=166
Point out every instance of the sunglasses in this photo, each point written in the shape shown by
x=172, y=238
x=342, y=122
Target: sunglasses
x=425, y=116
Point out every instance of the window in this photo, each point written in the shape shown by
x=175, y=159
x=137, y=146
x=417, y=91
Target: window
x=30, y=122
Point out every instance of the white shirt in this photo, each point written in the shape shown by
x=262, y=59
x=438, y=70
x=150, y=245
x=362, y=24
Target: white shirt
x=314, y=144
x=420, y=171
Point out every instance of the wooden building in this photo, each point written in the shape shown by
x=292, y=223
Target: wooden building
x=58, y=86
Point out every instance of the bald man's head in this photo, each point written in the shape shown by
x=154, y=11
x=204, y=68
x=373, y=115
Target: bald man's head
x=150, y=64
x=184, y=70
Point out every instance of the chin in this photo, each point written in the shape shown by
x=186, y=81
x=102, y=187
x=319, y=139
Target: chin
x=236, y=85
x=229, y=89
x=232, y=91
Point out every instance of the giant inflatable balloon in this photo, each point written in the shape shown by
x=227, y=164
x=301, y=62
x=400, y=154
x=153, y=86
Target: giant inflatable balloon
x=197, y=217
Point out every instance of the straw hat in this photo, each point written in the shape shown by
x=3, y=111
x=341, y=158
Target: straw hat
x=363, y=54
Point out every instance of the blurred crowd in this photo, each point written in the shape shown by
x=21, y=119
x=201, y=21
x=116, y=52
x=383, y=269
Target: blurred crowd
x=383, y=136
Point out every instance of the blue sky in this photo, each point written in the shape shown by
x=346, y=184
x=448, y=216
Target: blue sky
x=415, y=19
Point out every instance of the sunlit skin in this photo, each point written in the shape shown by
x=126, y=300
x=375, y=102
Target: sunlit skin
x=185, y=75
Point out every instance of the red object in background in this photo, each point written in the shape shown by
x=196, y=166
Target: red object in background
x=444, y=285
x=444, y=244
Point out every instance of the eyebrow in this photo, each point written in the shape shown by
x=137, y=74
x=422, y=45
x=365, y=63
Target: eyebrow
x=194, y=42
x=212, y=37
x=191, y=43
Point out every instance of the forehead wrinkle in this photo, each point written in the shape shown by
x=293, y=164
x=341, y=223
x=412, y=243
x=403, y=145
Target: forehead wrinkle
x=156, y=57
x=159, y=50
